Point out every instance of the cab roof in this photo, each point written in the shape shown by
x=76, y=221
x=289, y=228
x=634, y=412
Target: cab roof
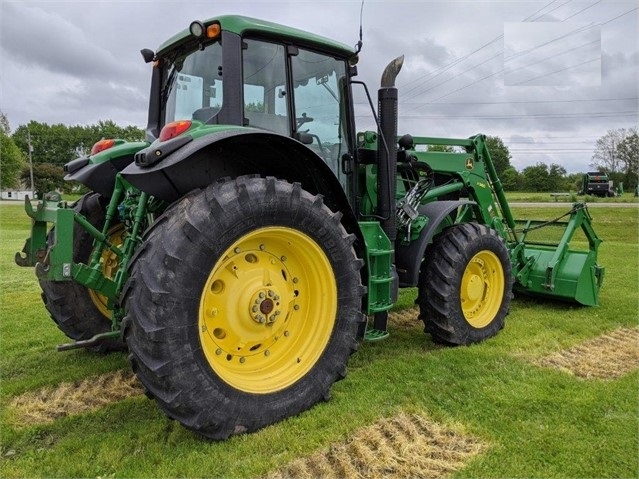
x=242, y=25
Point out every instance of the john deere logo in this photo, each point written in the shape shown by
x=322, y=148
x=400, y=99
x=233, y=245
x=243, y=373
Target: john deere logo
x=469, y=163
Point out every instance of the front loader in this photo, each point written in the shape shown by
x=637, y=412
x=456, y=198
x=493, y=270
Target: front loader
x=242, y=249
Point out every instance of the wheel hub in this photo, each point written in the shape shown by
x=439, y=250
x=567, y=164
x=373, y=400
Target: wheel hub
x=264, y=307
x=475, y=288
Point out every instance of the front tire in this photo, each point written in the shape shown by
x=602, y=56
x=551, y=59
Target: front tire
x=243, y=306
x=465, y=285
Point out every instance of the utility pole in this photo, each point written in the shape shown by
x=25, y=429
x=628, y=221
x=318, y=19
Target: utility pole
x=30, y=160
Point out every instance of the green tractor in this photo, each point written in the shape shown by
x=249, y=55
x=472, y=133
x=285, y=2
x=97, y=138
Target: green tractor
x=241, y=252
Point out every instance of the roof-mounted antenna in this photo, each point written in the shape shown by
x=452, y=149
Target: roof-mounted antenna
x=358, y=47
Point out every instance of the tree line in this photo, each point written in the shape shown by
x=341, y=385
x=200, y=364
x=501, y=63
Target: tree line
x=52, y=146
x=616, y=153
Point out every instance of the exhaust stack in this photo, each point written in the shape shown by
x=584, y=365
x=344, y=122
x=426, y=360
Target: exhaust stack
x=387, y=148
x=387, y=168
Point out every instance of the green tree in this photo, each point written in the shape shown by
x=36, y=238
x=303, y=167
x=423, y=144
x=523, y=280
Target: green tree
x=442, y=148
x=11, y=162
x=58, y=144
x=628, y=151
x=574, y=181
x=4, y=124
x=535, y=178
x=257, y=106
x=542, y=177
x=46, y=177
x=511, y=179
x=611, y=151
x=50, y=143
x=557, y=178
x=499, y=153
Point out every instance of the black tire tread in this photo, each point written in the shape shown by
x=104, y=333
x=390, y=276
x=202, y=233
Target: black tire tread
x=438, y=297
x=166, y=354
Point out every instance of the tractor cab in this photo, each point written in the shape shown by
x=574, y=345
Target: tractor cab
x=298, y=90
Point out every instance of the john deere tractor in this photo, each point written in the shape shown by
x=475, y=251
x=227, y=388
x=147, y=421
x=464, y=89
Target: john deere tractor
x=245, y=247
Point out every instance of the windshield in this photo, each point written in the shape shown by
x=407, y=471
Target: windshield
x=193, y=85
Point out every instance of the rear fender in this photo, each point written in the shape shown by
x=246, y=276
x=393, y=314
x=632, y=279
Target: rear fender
x=97, y=172
x=233, y=152
x=236, y=151
x=409, y=258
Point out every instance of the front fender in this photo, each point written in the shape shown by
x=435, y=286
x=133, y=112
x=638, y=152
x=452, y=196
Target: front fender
x=409, y=257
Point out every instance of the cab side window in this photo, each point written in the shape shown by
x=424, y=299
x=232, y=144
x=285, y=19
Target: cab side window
x=264, y=73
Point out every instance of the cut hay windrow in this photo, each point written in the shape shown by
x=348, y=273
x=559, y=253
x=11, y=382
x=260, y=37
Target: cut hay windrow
x=604, y=357
x=406, y=445
x=405, y=318
x=48, y=404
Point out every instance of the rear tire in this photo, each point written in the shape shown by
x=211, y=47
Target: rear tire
x=465, y=285
x=79, y=312
x=243, y=306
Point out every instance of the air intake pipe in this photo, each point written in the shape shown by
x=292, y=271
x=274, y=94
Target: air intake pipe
x=387, y=148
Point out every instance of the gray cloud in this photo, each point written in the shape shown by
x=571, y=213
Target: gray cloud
x=78, y=62
x=36, y=38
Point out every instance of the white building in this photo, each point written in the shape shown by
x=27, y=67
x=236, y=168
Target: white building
x=17, y=195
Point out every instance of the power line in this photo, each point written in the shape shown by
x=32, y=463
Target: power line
x=483, y=62
x=513, y=118
x=445, y=68
x=588, y=114
x=551, y=151
x=622, y=15
x=583, y=9
x=517, y=102
x=565, y=35
x=557, y=71
x=460, y=59
x=553, y=56
x=540, y=150
x=530, y=16
x=549, y=11
x=497, y=72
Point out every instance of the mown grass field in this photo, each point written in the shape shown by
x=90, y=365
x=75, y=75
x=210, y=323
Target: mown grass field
x=533, y=421
x=534, y=197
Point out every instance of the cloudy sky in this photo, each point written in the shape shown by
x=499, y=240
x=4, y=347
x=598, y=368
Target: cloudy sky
x=548, y=77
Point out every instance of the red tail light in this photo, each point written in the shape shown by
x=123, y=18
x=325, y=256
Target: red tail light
x=173, y=129
x=101, y=146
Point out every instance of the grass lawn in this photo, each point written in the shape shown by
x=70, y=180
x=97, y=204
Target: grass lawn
x=534, y=421
x=533, y=197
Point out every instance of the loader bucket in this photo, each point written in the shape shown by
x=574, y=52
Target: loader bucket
x=558, y=259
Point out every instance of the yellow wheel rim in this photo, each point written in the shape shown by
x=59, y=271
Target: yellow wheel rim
x=267, y=310
x=110, y=264
x=482, y=289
